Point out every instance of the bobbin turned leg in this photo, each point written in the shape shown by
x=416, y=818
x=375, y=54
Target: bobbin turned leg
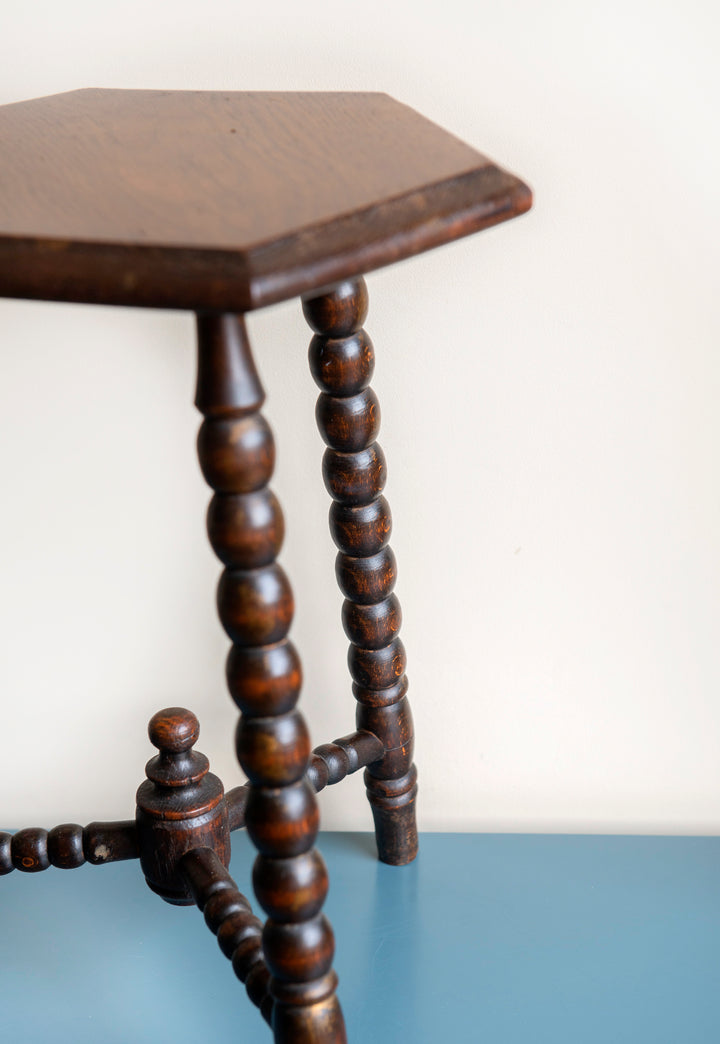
x=255, y=604
x=348, y=415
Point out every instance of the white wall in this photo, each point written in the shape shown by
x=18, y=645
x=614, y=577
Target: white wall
x=550, y=394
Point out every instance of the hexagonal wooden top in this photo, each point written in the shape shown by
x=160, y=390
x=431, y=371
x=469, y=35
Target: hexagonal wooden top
x=227, y=200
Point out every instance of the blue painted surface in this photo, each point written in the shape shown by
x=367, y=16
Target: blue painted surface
x=504, y=938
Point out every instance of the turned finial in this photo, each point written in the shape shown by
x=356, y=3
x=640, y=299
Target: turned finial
x=173, y=731
x=180, y=805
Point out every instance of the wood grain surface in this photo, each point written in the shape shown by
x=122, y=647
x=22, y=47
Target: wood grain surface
x=227, y=200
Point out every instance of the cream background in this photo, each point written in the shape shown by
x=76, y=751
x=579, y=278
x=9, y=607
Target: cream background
x=550, y=394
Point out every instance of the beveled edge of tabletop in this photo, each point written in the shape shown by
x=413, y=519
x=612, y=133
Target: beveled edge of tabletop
x=242, y=278
x=152, y=276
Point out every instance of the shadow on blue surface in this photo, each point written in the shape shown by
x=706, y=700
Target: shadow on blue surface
x=504, y=938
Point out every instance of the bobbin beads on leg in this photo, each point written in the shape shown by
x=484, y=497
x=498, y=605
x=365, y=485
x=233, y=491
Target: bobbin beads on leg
x=354, y=470
x=255, y=605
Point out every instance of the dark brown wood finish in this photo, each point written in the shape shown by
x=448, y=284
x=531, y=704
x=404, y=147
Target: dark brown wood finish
x=67, y=846
x=329, y=763
x=348, y=415
x=180, y=806
x=228, y=200
x=255, y=605
x=332, y=762
x=229, y=916
x=218, y=203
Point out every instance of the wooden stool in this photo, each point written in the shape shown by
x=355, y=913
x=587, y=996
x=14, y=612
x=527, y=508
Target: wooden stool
x=220, y=203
